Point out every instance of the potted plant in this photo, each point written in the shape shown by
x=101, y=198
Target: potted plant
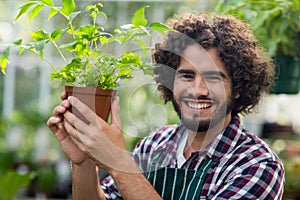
x=276, y=25
x=91, y=68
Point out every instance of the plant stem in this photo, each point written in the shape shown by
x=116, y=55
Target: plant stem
x=59, y=51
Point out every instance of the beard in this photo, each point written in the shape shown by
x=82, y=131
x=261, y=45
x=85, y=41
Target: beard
x=203, y=125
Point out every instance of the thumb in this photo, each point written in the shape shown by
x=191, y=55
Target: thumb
x=115, y=112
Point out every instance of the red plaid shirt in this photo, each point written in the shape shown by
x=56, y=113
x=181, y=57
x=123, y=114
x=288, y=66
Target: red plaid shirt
x=244, y=166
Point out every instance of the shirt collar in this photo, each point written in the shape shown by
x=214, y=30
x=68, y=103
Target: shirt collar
x=222, y=144
x=227, y=140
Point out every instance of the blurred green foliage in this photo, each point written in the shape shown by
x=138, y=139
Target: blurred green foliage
x=11, y=183
x=275, y=23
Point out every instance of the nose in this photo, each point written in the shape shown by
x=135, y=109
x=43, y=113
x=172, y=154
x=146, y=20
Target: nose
x=199, y=87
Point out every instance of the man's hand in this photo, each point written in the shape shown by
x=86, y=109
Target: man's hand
x=103, y=142
x=100, y=143
x=56, y=125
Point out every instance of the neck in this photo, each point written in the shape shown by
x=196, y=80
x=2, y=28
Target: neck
x=197, y=141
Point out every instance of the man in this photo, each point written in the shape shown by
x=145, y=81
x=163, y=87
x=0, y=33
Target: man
x=212, y=70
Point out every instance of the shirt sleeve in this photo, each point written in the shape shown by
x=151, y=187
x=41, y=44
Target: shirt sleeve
x=258, y=181
x=110, y=189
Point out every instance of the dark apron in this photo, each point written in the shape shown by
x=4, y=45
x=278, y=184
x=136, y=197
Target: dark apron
x=180, y=184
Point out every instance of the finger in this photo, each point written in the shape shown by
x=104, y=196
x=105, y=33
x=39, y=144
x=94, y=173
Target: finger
x=65, y=103
x=58, y=110
x=56, y=126
x=73, y=132
x=52, y=123
x=75, y=122
x=62, y=108
x=76, y=136
x=83, y=109
x=63, y=95
x=115, y=112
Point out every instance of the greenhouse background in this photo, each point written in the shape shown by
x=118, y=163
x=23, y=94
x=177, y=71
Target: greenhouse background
x=27, y=98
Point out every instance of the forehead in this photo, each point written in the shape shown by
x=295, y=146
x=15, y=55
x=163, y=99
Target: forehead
x=195, y=57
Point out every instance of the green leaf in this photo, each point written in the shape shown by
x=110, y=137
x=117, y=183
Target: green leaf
x=4, y=59
x=125, y=72
x=52, y=13
x=139, y=18
x=39, y=48
x=68, y=6
x=69, y=46
x=48, y=2
x=23, y=9
x=69, y=72
x=88, y=29
x=55, y=35
x=90, y=7
x=131, y=58
x=35, y=11
x=103, y=14
x=100, y=4
x=161, y=28
x=106, y=40
x=158, y=25
x=56, y=75
x=40, y=35
x=21, y=50
x=18, y=42
x=74, y=14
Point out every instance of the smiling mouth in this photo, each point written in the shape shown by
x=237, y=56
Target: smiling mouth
x=198, y=105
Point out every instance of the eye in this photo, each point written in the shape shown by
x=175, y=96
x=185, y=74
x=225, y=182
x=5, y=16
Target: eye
x=185, y=77
x=213, y=78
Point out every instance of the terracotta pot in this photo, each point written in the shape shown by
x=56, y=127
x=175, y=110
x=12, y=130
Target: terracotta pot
x=96, y=99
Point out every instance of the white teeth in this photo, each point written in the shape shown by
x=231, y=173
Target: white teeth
x=198, y=105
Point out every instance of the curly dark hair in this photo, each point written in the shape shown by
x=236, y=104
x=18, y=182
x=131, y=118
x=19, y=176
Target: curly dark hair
x=250, y=68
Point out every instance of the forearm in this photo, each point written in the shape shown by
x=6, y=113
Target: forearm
x=85, y=181
x=134, y=185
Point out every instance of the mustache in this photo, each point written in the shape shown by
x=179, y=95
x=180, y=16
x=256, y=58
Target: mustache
x=202, y=97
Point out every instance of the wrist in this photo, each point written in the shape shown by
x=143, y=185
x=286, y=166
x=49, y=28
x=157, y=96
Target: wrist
x=84, y=164
x=128, y=168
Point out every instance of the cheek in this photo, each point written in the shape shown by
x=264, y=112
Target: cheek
x=179, y=87
x=224, y=92
x=176, y=86
x=219, y=90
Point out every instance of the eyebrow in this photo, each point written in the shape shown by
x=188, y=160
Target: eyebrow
x=192, y=72
x=218, y=73
x=185, y=71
